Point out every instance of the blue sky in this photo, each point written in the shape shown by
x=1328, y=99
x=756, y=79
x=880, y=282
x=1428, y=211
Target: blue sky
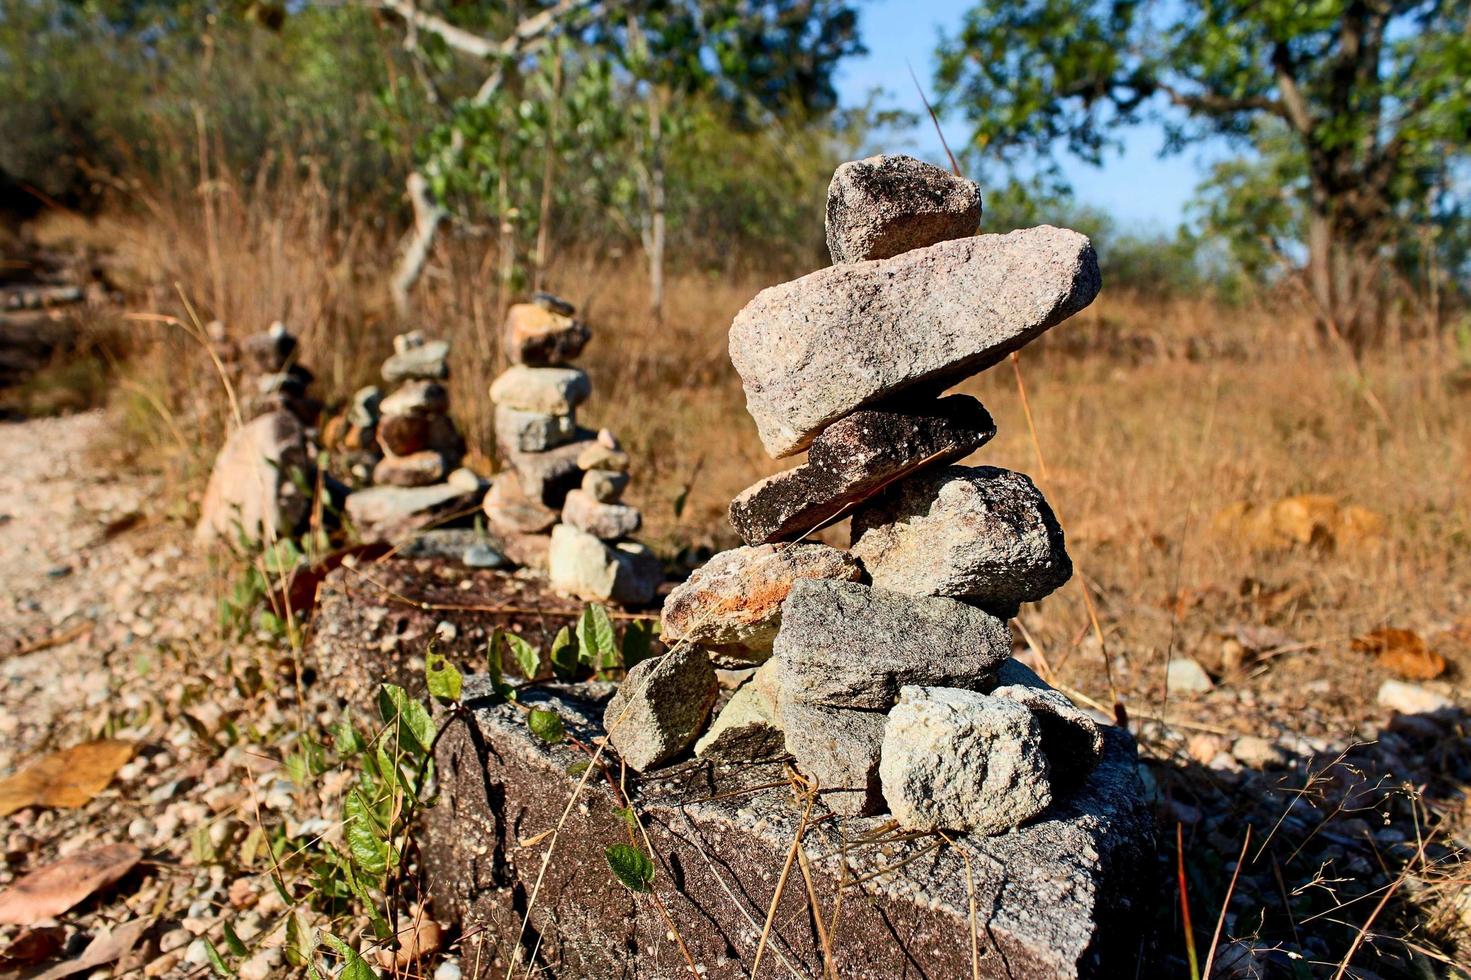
x=1141, y=189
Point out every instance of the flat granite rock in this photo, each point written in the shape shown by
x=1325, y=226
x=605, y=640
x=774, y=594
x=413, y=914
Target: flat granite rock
x=855, y=458
x=846, y=337
x=1060, y=897
x=846, y=645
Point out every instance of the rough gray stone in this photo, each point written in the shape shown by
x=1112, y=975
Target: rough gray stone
x=661, y=707
x=847, y=645
x=854, y=459
x=540, y=335
x=840, y=749
x=252, y=489
x=1063, y=896
x=532, y=432
x=549, y=390
x=605, y=486
x=885, y=205
x=419, y=469
x=964, y=761
x=980, y=533
x=607, y=521
x=581, y=565
x=385, y=512
x=815, y=349
x=482, y=555
x=1185, y=676
x=602, y=456
x=746, y=728
x=417, y=398
x=547, y=476
x=509, y=511
x=735, y=599
x=428, y=361
x=1070, y=739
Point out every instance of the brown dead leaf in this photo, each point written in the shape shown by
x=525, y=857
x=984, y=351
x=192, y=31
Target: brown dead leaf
x=66, y=779
x=1402, y=652
x=57, y=887
x=106, y=946
x=1306, y=520
x=32, y=946
x=417, y=940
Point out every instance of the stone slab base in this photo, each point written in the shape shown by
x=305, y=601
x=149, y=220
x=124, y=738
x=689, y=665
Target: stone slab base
x=374, y=621
x=1056, y=898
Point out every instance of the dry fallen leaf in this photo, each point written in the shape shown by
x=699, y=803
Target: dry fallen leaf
x=1311, y=519
x=67, y=779
x=105, y=947
x=31, y=947
x=1403, y=652
x=417, y=940
x=57, y=887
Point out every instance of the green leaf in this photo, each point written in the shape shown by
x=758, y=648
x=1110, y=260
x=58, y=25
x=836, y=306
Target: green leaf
x=527, y=657
x=596, y=644
x=564, y=655
x=232, y=941
x=495, y=669
x=346, y=737
x=216, y=961
x=414, y=727
x=579, y=767
x=299, y=944
x=365, y=834
x=546, y=725
x=638, y=641
x=625, y=813
x=442, y=677
x=631, y=866
x=354, y=967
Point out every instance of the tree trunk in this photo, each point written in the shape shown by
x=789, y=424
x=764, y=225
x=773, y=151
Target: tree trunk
x=656, y=207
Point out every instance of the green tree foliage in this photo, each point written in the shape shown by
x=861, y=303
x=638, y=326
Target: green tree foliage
x=1355, y=114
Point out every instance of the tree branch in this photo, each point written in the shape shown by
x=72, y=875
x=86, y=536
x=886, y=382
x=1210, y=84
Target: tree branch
x=1213, y=104
x=1294, y=105
x=530, y=34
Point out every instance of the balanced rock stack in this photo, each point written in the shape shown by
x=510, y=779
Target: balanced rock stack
x=255, y=492
x=281, y=381
x=420, y=442
x=417, y=475
x=885, y=670
x=556, y=504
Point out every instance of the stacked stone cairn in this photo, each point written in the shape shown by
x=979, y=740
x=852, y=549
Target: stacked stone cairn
x=413, y=444
x=256, y=491
x=556, y=505
x=884, y=670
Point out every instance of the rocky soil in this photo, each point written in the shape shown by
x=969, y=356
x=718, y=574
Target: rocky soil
x=109, y=630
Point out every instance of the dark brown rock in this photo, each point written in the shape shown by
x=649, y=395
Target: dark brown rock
x=419, y=469
x=855, y=458
x=1059, y=897
x=403, y=435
